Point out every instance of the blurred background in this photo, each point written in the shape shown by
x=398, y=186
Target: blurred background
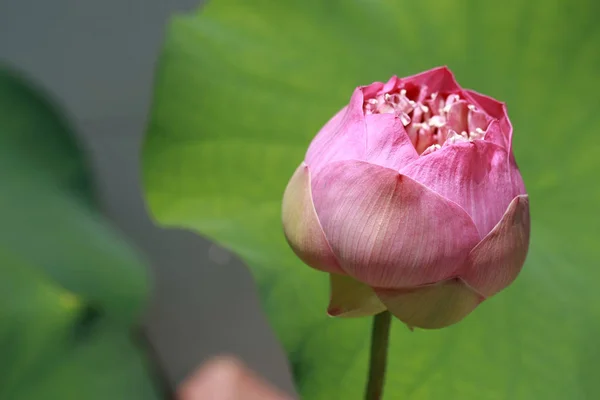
x=96, y=60
x=70, y=287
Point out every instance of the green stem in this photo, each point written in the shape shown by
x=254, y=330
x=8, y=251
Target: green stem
x=379, y=345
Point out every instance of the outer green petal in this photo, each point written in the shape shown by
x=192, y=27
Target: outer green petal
x=351, y=298
x=301, y=224
x=432, y=306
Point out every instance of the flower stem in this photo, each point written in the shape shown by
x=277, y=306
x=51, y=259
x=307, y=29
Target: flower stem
x=379, y=345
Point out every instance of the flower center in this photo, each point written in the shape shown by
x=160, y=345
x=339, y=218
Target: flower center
x=437, y=120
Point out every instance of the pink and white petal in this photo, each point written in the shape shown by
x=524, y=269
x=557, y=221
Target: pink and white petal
x=373, y=89
x=342, y=138
x=494, y=108
x=494, y=134
x=388, y=144
x=437, y=80
x=475, y=175
x=516, y=178
x=433, y=306
x=478, y=119
x=301, y=224
x=390, y=85
x=458, y=117
x=387, y=230
x=497, y=260
x=351, y=298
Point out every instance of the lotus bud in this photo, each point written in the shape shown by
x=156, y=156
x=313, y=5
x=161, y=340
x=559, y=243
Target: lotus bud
x=411, y=200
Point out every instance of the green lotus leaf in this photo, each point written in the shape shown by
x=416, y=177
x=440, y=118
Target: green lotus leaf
x=243, y=86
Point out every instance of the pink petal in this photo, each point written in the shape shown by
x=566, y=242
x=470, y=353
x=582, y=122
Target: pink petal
x=516, y=178
x=494, y=109
x=478, y=176
x=350, y=298
x=301, y=224
x=388, y=144
x=491, y=106
x=374, y=88
x=458, y=117
x=387, y=230
x=494, y=134
x=439, y=79
x=497, y=260
x=432, y=306
x=390, y=85
x=342, y=138
x=478, y=119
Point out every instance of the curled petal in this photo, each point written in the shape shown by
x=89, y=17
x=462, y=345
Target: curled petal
x=387, y=230
x=374, y=88
x=436, y=80
x=478, y=119
x=301, y=224
x=494, y=134
x=390, y=85
x=432, y=306
x=342, y=138
x=388, y=144
x=458, y=117
x=350, y=298
x=478, y=176
x=494, y=109
x=491, y=106
x=497, y=260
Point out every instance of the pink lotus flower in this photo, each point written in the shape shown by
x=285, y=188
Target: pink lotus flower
x=410, y=197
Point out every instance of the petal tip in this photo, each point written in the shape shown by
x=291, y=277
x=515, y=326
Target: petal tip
x=334, y=312
x=437, y=79
x=351, y=298
x=497, y=260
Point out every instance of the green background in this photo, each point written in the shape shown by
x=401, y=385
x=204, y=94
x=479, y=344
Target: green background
x=70, y=287
x=243, y=86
